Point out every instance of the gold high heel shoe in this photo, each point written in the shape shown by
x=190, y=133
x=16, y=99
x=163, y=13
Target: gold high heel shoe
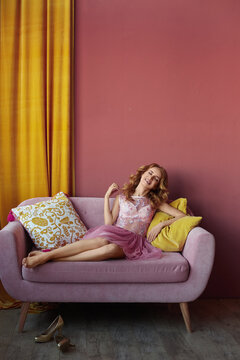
x=63, y=343
x=48, y=334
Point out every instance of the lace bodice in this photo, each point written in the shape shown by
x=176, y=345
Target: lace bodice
x=135, y=216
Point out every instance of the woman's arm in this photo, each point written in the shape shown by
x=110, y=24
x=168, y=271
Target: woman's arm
x=175, y=213
x=171, y=211
x=110, y=216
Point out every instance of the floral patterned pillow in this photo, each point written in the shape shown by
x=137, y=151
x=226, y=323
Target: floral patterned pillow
x=52, y=223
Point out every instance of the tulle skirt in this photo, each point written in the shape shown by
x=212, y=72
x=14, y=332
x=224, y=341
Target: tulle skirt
x=134, y=246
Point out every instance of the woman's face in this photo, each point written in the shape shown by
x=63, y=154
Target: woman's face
x=150, y=178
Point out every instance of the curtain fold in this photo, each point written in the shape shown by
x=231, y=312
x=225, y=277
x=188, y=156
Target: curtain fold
x=36, y=122
x=36, y=100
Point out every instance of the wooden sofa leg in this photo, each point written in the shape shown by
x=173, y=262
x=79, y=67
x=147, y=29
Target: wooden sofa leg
x=186, y=315
x=23, y=315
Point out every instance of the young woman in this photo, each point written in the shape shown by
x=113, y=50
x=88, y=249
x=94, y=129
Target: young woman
x=126, y=224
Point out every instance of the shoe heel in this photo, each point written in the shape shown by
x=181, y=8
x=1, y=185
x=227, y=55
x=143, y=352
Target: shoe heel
x=59, y=330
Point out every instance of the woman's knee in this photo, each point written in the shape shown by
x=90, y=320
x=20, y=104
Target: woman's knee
x=101, y=241
x=113, y=250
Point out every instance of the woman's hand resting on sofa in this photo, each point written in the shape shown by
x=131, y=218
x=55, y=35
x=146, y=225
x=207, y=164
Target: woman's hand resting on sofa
x=155, y=231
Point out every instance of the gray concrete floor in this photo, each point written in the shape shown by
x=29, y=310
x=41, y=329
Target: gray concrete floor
x=128, y=331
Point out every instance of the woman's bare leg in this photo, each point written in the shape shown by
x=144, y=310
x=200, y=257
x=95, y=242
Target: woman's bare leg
x=65, y=251
x=110, y=251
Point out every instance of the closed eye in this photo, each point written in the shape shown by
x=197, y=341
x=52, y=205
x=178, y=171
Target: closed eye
x=156, y=178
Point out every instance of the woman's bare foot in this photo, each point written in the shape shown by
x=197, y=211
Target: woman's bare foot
x=34, y=252
x=33, y=261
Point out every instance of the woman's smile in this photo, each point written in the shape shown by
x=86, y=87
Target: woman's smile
x=148, y=181
x=151, y=177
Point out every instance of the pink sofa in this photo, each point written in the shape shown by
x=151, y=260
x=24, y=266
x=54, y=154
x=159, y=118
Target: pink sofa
x=175, y=278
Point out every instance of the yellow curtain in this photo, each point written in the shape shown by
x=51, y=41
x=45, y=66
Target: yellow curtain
x=36, y=100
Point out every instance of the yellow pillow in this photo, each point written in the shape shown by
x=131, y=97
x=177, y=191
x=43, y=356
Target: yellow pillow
x=52, y=223
x=173, y=237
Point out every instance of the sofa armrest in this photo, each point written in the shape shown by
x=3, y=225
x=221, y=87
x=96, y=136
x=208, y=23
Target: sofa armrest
x=199, y=250
x=13, y=248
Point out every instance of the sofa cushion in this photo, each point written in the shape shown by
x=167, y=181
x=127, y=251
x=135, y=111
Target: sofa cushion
x=173, y=237
x=172, y=267
x=51, y=223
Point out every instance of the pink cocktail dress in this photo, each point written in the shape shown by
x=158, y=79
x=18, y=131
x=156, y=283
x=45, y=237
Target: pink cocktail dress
x=129, y=231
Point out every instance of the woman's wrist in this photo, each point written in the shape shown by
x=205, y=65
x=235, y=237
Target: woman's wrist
x=161, y=225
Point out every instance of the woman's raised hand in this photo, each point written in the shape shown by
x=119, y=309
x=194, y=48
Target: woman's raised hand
x=112, y=189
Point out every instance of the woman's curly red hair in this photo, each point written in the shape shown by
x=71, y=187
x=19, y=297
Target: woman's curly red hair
x=157, y=195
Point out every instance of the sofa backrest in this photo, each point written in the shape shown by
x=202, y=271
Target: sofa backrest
x=90, y=209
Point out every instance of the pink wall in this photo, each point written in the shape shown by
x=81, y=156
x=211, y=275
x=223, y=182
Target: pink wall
x=159, y=80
